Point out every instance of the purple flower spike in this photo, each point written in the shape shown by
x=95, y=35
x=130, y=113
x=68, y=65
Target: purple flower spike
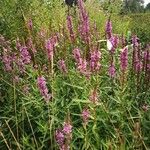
x=94, y=96
x=135, y=41
x=112, y=70
x=25, y=56
x=62, y=66
x=60, y=137
x=7, y=60
x=124, y=59
x=77, y=54
x=108, y=29
x=85, y=115
x=41, y=82
x=70, y=28
x=67, y=128
x=94, y=60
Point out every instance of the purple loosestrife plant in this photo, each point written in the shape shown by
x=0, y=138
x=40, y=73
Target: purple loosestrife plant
x=95, y=56
x=135, y=41
x=112, y=70
x=124, y=59
x=81, y=63
x=85, y=115
x=67, y=128
x=31, y=46
x=82, y=66
x=25, y=55
x=41, y=82
x=84, y=26
x=137, y=63
x=50, y=48
x=112, y=44
x=76, y=54
x=62, y=66
x=23, y=59
x=60, y=138
x=108, y=29
x=70, y=28
x=50, y=45
x=7, y=60
x=94, y=96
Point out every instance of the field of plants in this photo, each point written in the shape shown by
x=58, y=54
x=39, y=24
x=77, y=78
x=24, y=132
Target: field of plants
x=73, y=78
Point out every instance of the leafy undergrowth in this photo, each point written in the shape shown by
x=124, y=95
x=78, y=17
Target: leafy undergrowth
x=69, y=89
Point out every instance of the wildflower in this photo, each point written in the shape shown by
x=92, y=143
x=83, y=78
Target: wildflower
x=70, y=28
x=18, y=45
x=135, y=41
x=7, y=60
x=41, y=82
x=147, y=60
x=114, y=42
x=24, y=55
x=85, y=115
x=94, y=60
x=60, y=137
x=124, y=59
x=112, y=70
x=94, y=96
x=31, y=46
x=82, y=65
x=108, y=29
x=76, y=54
x=84, y=26
x=62, y=66
x=67, y=128
x=137, y=63
x=50, y=45
x=123, y=41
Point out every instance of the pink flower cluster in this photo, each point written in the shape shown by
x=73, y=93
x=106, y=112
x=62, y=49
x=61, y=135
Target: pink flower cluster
x=114, y=41
x=7, y=60
x=81, y=63
x=24, y=55
x=124, y=59
x=70, y=28
x=31, y=46
x=41, y=82
x=62, y=66
x=137, y=64
x=50, y=45
x=95, y=56
x=84, y=27
x=23, y=59
x=67, y=128
x=112, y=70
x=61, y=136
x=108, y=29
x=85, y=115
x=135, y=41
x=94, y=96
